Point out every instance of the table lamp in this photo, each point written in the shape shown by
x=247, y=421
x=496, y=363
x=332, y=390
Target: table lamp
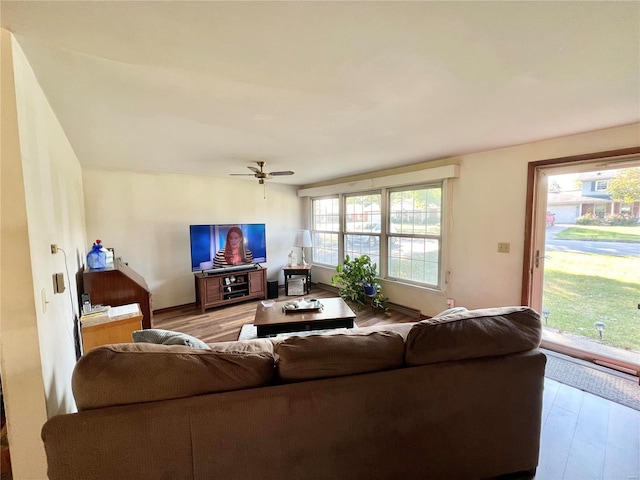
x=303, y=239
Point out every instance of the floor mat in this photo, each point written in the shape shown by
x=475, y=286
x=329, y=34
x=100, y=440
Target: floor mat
x=610, y=384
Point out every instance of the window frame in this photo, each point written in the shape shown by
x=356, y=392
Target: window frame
x=315, y=232
x=385, y=225
x=440, y=238
x=354, y=232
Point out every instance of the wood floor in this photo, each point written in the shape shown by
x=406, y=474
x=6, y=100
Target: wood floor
x=587, y=437
x=583, y=436
x=224, y=324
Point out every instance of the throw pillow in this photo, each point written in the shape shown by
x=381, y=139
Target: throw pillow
x=167, y=337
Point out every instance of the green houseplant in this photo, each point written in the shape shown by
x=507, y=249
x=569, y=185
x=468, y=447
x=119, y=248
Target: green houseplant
x=357, y=281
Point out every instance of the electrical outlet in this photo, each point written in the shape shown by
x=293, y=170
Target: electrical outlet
x=504, y=247
x=451, y=302
x=54, y=248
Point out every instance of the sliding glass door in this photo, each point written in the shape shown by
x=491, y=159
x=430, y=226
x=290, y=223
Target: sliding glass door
x=584, y=261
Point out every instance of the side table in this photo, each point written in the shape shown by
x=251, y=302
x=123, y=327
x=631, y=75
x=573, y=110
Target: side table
x=297, y=270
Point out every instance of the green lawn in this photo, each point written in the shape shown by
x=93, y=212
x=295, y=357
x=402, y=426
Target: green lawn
x=602, y=234
x=581, y=289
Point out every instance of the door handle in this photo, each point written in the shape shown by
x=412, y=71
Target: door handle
x=538, y=257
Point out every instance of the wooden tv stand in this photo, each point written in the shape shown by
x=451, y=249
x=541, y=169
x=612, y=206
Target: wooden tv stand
x=214, y=290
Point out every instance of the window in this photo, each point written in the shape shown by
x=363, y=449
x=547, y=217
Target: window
x=363, y=226
x=599, y=210
x=399, y=228
x=415, y=240
x=601, y=185
x=626, y=208
x=326, y=230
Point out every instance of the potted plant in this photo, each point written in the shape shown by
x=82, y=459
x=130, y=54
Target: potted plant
x=358, y=282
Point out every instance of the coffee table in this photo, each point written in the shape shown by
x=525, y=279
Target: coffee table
x=335, y=313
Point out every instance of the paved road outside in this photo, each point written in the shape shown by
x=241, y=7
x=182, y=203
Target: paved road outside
x=554, y=244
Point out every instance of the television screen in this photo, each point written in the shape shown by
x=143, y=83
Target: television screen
x=227, y=246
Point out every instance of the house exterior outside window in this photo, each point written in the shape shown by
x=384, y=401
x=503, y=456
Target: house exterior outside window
x=625, y=208
x=600, y=185
x=600, y=209
x=590, y=197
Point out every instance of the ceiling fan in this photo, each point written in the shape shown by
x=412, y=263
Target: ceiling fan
x=261, y=175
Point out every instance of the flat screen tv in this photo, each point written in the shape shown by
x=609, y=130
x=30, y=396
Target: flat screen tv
x=247, y=246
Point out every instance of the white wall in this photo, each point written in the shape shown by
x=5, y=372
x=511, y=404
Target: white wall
x=146, y=218
x=41, y=204
x=488, y=207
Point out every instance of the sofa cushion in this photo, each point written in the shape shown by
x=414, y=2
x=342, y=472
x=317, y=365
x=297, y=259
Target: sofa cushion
x=473, y=334
x=129, y=373
x=255, y=345
x=167, y=337
x=323, y=356
x=401, y=328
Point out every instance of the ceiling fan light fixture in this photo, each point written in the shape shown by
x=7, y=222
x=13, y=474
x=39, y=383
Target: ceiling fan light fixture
x=261, y=175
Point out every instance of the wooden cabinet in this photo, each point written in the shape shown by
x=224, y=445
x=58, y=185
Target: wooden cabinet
x=109, y=331
x=213, y=290
x=258, y=283
x=118, y=284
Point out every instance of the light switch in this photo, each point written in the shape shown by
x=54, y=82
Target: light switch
x=504, y=247
x=43, y=296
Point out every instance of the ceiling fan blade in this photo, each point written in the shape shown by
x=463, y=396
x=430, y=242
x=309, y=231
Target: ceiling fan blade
x=261, y=175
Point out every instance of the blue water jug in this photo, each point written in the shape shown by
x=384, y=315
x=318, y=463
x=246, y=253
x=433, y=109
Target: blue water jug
x=96, y=258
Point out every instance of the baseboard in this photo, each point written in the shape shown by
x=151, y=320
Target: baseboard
x=412, y=312
x=324, y=286
x=186, y=306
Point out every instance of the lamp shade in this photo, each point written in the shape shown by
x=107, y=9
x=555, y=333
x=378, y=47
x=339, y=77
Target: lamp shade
x=303, y=239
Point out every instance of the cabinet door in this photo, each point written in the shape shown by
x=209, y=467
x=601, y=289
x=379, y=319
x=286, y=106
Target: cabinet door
x=118, y=331
x=212, y=290
x=256, y=282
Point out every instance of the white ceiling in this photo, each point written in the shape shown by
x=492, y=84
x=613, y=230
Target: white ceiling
x=326, y=89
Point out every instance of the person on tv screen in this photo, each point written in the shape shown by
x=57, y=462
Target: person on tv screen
x=234, y=251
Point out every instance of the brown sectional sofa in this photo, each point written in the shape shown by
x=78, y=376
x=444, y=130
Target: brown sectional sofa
x=456, y=397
